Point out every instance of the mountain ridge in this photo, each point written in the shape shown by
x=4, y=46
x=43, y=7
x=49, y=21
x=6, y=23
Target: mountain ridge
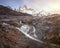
x=8, y=11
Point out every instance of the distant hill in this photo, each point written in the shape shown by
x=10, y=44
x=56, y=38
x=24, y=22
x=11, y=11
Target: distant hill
x=8, y=11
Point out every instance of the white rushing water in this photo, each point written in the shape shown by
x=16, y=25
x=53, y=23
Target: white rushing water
x=28, y=31
x=25, y=29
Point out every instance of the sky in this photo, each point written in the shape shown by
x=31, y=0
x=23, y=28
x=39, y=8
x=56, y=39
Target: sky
x=45, y=5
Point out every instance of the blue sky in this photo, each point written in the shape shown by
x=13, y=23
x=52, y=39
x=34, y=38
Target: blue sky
x=12, y=3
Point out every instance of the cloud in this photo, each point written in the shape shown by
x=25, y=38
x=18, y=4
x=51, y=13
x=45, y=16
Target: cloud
x=47, y=5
